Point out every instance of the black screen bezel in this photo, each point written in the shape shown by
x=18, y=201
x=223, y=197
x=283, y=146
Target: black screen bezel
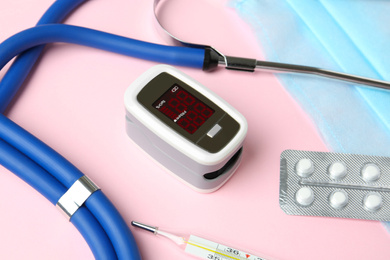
x=155, y=88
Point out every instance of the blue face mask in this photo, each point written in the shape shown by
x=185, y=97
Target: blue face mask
x=349, y=36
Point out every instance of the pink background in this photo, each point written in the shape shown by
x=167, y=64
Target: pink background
x=74, y=102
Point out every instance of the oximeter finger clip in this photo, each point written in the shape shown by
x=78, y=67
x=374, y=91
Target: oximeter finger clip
x=184, y=126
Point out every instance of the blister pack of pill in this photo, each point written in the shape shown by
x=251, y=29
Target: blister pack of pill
x=335, y=185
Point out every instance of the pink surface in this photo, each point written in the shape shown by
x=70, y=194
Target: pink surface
x=74, y=102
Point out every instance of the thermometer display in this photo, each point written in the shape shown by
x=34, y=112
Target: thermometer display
x=183, y=108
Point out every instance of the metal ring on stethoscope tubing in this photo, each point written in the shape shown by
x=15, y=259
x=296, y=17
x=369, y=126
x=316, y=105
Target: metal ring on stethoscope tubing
x=76, y=195
x=244, y=64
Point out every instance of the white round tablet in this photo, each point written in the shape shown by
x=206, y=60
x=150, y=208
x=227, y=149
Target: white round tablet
x=304, y=167
x=372, y=202
x=337, y=170
x=338, y=199
x=304, y=196
x=371, y=172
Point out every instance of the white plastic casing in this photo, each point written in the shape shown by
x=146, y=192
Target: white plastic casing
x=183, y=158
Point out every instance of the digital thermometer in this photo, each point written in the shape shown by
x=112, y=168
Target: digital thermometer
x=186, y=127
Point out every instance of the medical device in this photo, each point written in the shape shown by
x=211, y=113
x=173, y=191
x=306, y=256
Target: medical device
x=213, y=58
x=52, y=175
x=335, y=185
x=101, y=225
x=194, y=133
x=201, y=247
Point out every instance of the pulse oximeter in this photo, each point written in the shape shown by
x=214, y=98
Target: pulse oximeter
x=184, y=126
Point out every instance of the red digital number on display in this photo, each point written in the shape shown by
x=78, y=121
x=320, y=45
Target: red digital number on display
x=183, y=108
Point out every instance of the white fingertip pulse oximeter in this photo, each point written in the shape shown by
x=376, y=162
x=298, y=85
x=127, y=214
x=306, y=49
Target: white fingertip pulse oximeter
x=187, y=128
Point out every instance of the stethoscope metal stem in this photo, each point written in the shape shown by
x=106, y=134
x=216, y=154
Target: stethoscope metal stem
x=283, y=67
x=244, y=64
x=251, y=64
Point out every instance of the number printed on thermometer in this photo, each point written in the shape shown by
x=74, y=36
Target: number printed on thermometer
x=206, y=249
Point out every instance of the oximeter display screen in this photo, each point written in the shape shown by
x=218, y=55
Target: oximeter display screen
x=183, y=108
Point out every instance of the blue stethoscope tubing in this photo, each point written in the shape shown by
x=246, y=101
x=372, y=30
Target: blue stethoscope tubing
x=29, y=171
x=47, y=158
x=52, y=175
x=99, y=222
x=42, y=34
x=22, y=65
x=22, y=151
x=48, y=186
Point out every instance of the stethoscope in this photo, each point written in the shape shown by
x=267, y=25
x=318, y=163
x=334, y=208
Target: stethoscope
x=250, y=65
x=52, y=175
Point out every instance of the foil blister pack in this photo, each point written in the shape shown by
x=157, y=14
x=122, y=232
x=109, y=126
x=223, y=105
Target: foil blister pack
x=335, y=185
